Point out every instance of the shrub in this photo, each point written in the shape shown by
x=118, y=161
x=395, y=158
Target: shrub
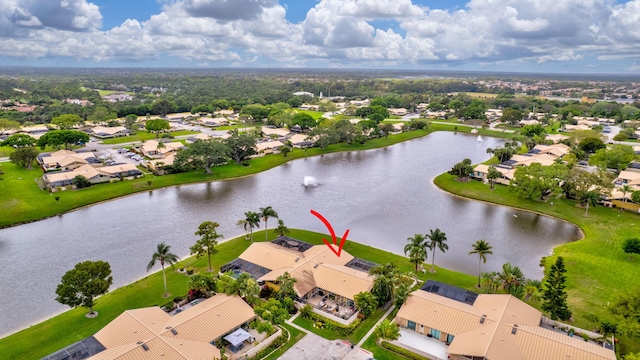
x=169, y=306
x=177, y=299
x=266, y=292
x=265, y=326
x=306, y=311
x=274, y=345
x=189, y=271
x=342, y=330
x=401, y=351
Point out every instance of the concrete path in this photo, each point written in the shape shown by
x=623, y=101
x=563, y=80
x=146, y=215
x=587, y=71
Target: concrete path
x=373, y=328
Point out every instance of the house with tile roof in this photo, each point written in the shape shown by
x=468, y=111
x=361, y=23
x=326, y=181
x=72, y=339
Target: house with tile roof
x=490, y=327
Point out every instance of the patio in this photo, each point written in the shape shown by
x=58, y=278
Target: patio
x=242, y=347
x=338, y=306
x=422, y=344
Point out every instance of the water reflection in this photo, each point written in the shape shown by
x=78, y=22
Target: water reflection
x=383, y=196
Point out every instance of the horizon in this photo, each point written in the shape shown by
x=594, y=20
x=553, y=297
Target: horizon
x=594, y=37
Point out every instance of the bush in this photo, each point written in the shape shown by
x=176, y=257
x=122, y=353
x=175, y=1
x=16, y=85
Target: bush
x=189, y=271
x=322, y=322
x=404, y=352
x=274, y=345
x=306, y=311
x=177, y=299
x=265, y=326
x=169, y=306
x=266, y=292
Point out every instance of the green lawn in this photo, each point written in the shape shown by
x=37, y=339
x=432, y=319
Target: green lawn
x=597, y=267
x=71, y=326
x=143, y=136
x=380, y=353
x=29, y=203
x=314, y=114
x=111, y=92
x=295, y=336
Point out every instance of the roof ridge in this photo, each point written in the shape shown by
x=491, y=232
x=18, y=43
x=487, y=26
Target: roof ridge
x=554, y=338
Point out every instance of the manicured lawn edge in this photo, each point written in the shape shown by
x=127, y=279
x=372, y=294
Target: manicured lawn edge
x=597, y=267
x=29, y=203
x=71, y=326
x=295, y=335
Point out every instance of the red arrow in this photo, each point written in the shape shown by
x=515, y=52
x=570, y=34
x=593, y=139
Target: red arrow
x=333, y=234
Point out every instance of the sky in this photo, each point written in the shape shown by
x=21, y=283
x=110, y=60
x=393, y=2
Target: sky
x=547, y=36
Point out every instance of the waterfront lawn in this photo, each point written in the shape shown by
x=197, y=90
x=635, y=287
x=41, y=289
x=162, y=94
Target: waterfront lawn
x=597, y=267
x=142, y=135
x=71, y=326
x=294, y=336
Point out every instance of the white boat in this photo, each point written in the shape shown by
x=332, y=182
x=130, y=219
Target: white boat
x=480, y=138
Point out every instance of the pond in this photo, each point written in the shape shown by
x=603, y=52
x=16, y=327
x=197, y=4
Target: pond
x=382, y=196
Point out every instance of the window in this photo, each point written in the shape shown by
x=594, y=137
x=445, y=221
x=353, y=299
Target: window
x=411, y=325
x=449, y=338
x=435, y=333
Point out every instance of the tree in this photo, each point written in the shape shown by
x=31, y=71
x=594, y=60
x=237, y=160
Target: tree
x=242, y=146
x=462, y=169
x=24, y=157
x=163, y=107
x=83, y=283
x=402, y=293
x=535, y=181
x=286, y=283
x=437, y=240
x=554, y=294
x=366, y=303
x=156, y=126
x=589, y=198
x=387, y=330
x=625, y=308
x=492, y=175
x=68, y=138
x=591, y=144
x=511, y=116
x=266, y=213
x=81, y=182
x=635, y=196
x=207, y=242
x=482, y=248
x=631, y=246
x=163, y=255
x=284, y=150
x=66, y=121
x=532, y=130
x=244, y=286
x=511, y=280
x=203, y=283
x=130, y=122
x=417, y=249
x=252, y=221
x=386, y=277
x=304, y=120
x=7, y=124
x=618, y=157
x=386, y=129
x=203, y=154
x=620, y=137
x=273, y=311
x=281, y=230
x=19, y=141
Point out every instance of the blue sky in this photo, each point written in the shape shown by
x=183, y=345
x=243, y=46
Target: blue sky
x=568, y=36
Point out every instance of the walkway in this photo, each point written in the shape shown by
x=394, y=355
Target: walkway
x=373, y=328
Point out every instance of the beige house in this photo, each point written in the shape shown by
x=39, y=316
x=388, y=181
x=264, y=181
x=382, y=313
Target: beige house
x=153, y=149
x=324, y=280
x=556, y=138
x=492, y=327
x=277, y=132
x=481, y=170
x=95, y=175
x=268, y=147
x=66, y=160
x=103, y=132
x=556, y=150
x=150, y=333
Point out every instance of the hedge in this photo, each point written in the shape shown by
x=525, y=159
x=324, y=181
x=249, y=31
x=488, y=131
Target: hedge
x=402, y=351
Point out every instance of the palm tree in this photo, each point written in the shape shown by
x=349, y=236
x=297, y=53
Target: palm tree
x=511, y=279
x=482, y=248
x=438, y=240
x=164, y=255
x=252, y=221
x=281, y=230
x=417, y=249
x=625, y=189
x=532, y=290
x=589, y=198
x=385, y=279
x=266, y=213
x=387, y=330
x=245, y=225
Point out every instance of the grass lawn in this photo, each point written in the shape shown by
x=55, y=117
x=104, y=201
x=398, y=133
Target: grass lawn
x=597, y=267
x=71, y=326
x=20, y=194
x=328, y=334
x=295, y=336
x=380, y=353
x=143, y=136
x=314, y=114
x=111, y=92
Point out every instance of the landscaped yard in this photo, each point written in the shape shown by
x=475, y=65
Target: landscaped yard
x=71, y=326
x=295, y=334
x=597, y=267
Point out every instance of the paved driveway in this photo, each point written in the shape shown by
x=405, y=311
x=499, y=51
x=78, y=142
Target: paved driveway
x=313, y=347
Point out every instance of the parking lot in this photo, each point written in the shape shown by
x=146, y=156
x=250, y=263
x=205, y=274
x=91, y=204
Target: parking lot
x=118, y=156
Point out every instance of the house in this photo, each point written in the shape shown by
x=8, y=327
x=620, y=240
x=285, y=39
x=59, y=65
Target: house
x=103, y=132
x=224, y=113
x=568, y=127
x=214, y=122
x=324, y=280
x=268, y=147
x=489, y=326
x=556, y=138
x=154, y=149
x=301, y=141
x=528, y=122
x=198, y=137
x=277, y=132
x=151, y=333
x=555, y=150
x=64, y=179
x=398, y=111
x=303, y=93
x=66, y=160
x=121, y=171
x=481, y=170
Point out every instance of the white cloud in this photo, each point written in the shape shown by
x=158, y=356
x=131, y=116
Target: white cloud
x=334, y=32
